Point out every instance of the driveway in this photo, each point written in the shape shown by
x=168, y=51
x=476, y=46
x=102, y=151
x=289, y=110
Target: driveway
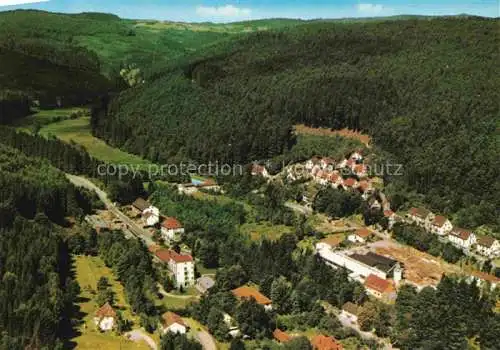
x=206, y=340
x=138, y=335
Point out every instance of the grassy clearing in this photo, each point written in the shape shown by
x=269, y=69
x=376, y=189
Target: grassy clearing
x=173, y=302
x=88, y=271
x=45, y=117
x=78, y=131
x=263, y=230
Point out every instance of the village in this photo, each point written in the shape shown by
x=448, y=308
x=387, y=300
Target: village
x=369, y=254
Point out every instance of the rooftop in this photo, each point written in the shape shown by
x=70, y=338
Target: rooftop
x=105, y=311
x=281, y=336
x=166, y=255
x=169, y=318
x=419, y=212
x=363, y=232
x=141, y=204
x=377, y=283
x=323, y=342
x=486, y=241
x=171, y=223
x=374, y=260
x=461, y=233
x=439, y=221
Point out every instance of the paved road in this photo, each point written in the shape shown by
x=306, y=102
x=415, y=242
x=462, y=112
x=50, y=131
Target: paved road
x=137, y=335
x=137, y=231
x=206, y=340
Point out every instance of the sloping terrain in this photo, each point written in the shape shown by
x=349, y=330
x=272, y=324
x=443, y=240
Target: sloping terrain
x=426, y=91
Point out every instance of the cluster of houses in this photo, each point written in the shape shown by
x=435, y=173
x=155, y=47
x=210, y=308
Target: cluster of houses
x=464, y=239
x=171, y=229
x=318, y=342
x=379, y=274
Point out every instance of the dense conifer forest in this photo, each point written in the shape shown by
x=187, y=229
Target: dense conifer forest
x=37, y=291
x=425, y=89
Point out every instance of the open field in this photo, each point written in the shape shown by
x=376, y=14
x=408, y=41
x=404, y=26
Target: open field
x=421, y=268
x=262, y=230
x=78, y=131
x=306, y=130
x=88, y=271
x=45, y=117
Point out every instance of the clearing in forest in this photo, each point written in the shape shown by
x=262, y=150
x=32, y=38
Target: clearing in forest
x=306, y=130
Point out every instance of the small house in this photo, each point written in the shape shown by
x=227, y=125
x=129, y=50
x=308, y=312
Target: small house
x=380, y=288
x=360, y=235
x=246, y=292
x=139, y=205
x=440, y=225
x=171, y=229
x=420, y=216
x=171, y=322
x=324, y=342
x=488, y=247
x=105, y=317
x=462, y=238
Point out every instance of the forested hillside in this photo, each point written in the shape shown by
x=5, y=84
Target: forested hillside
x=427, y=90
x=37, y=291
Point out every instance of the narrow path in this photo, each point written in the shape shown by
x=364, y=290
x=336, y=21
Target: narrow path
x=206, y=340
x=137, y=335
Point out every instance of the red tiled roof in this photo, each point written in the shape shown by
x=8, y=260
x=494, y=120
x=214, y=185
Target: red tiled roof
x=246, y=292
x=388, y=213
x=439, y=221
x=376, y=283
x=334, y=177
x=461, y=233
x=323, y=342
x=257, y=169
x=281, y=336
x=105, y=311
x=171, y=223
x=363, y=232
x=349, y=182
x=486, y=241
x=359, y=168
x=169, y=318
x=364, y=185
x=332, y=241
x=166, y=255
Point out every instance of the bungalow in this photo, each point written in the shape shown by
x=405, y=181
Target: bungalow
x=171, y=229
x=380, y=288
x=350, y=311
x=280, y=336
x=246, y=292
x=441, y=226
x=259, y=170
x=171, y=322
x=105, y=317
x=420, y=216
x=360, y=235
x=323, y=342
x=204, y=283
x=488, y=246
x=462, y=238
x=180, y=265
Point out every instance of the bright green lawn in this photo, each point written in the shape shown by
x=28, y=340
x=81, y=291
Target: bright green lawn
x=88, y=271
x=78, y=131
x=45, y=117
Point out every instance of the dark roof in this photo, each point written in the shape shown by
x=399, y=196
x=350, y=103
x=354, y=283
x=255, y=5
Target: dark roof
x=374, y=260
x=461, y=233
x=141, y=204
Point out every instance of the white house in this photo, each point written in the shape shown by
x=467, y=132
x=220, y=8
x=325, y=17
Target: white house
x=335, y=180
x=151, y=216
x=173, y=323
x=441, y=225
x=420, y=216
x=180, y=265
x=171, y=229
x=488, y=246
x=105, y=317
x=462, y=238
x=360, y=235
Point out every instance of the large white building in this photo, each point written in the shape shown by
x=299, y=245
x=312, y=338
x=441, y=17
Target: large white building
x=359, y=265
x=180, y=265
x=488, y=246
